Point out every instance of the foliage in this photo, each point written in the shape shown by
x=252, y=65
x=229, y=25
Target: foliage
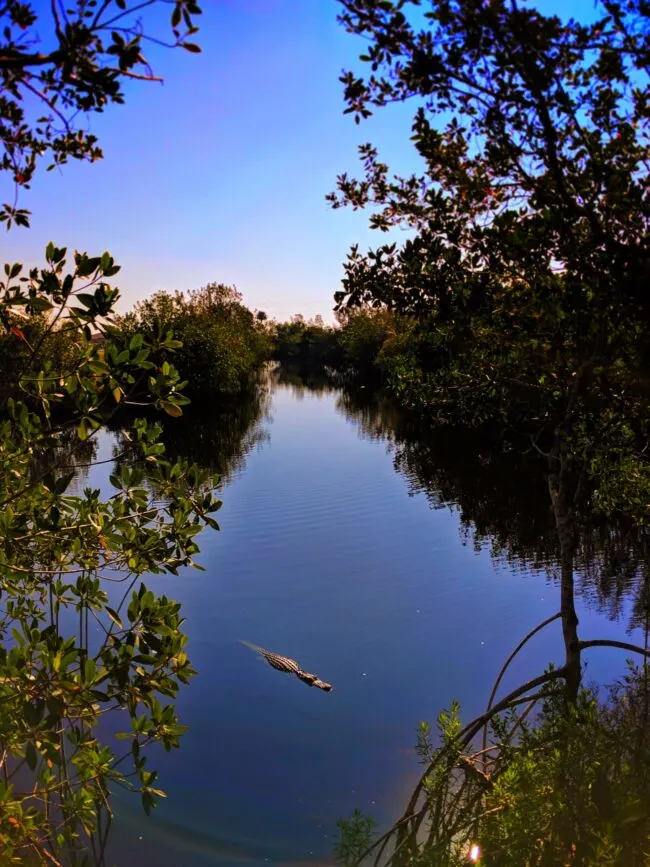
x=533, y=134
x=222, y=342
x=18, y=338
x=529, y=257
x=526, y=263
x=306, y=343
x=360, y=346
x=364, y=335
x=355, y=837
x=60, y=557
x=75, y=650
x=57, y=66
x=561, y=787
x=576, y=787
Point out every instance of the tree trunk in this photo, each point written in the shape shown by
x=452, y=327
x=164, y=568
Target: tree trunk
x=564, y=522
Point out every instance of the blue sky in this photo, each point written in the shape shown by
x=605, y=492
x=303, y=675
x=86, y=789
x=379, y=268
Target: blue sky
x=220, y=174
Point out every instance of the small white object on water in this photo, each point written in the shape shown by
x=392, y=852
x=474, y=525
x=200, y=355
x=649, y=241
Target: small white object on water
x=363, y=674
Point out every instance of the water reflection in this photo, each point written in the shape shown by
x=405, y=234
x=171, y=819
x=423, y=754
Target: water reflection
x=301, y=382
x=324, y=557
x=217, y=437
x=502, y=501
x=69, y=454
x=500, y=496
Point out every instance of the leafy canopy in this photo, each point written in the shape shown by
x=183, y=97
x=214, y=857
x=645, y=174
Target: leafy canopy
x=533, y=134
x=527, y=266
x=62, y=63
x=222, y=340
x=80, y=634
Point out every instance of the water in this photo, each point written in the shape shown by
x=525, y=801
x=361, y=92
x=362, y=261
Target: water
x=330, y=552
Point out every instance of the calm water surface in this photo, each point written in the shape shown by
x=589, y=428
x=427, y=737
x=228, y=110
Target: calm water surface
x=327, y=554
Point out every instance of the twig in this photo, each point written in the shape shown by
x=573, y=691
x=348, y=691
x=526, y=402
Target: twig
x=510, y=659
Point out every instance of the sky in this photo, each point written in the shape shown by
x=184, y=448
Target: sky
x=220, y=174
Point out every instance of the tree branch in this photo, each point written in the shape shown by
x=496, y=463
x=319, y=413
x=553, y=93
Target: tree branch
x=622, y=645
x=19, y=61
x=509, y=660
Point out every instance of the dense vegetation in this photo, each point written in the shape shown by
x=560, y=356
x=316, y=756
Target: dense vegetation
x=517, y=305
x=81, y=636
x=522, y=288
x=222, y=342
x=359, y=346
x=61, y=556
x=568, y=785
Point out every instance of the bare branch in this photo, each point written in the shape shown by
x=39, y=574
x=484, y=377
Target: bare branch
x=127, y=12
x=506, y=665
x=622, y=645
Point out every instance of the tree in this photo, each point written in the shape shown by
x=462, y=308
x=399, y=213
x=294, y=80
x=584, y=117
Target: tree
x=63, y=556
x=558, y=791
x=222, y=341
x=307, y=344
x=362, y=339
x=57, y=66
x=528, y=262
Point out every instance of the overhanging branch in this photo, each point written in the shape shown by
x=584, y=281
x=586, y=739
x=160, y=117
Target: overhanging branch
x=621, y=645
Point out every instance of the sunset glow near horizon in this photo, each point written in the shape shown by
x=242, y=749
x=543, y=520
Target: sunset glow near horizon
x=220, y=174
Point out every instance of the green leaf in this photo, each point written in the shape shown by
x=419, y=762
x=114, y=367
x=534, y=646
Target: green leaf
x=86, y=299
x=114, y=616
x=171, y=409
x=87, y=266
x=32, y=714
x=30, y=755
x=61, y=484
x=190, y=46
x=90, y=670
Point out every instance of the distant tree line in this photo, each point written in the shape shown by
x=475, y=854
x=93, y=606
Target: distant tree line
x=359, y=345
